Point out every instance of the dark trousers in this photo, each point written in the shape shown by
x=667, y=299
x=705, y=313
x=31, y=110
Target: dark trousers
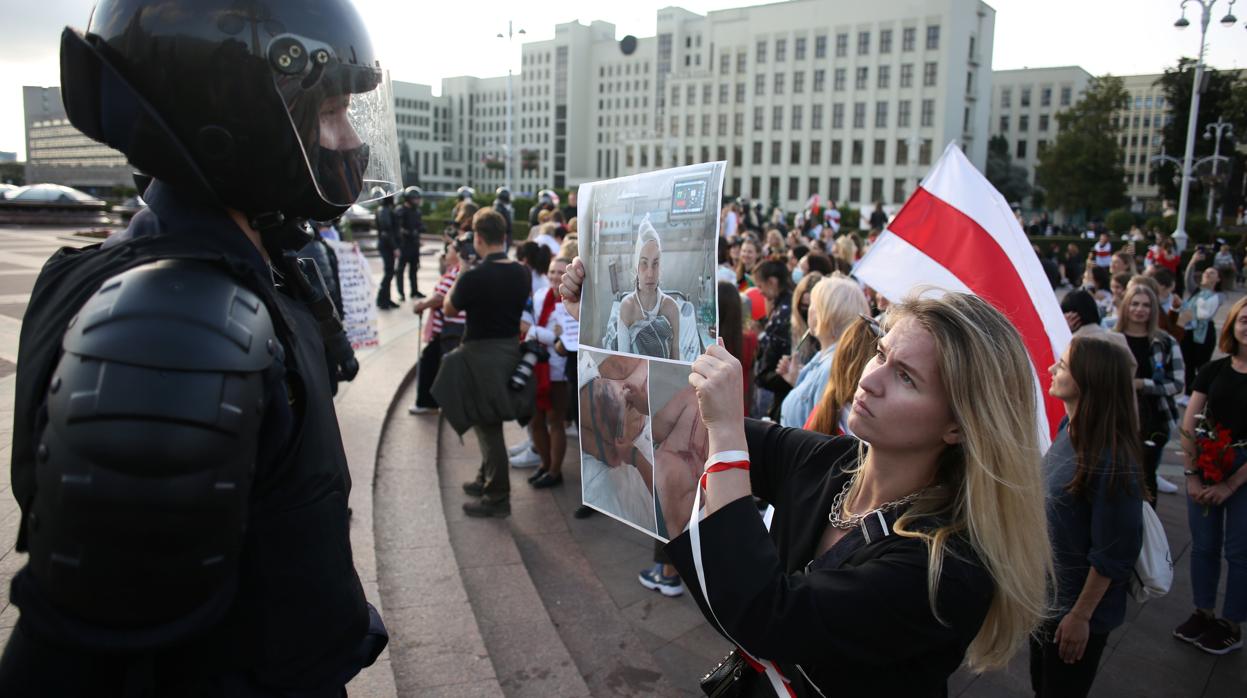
x=1196, y=354
x=426, y=371
x=408, y=259
x=1153, y=449
x=495, y=472
x=386, y=250
x=1053, y=678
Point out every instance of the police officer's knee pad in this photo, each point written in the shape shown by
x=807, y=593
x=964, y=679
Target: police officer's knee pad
x=144, y=469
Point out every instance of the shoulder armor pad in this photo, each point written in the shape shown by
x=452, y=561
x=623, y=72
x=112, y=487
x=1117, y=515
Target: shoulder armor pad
x=175, y=314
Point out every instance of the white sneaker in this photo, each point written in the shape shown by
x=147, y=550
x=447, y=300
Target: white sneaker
x=418, y=410
x=1165, y=486
x=520, y=448
x=528, y=459
x=1182, y=400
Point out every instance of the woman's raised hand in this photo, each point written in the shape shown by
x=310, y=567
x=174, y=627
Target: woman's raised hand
x=573, y=282
x=716, y=376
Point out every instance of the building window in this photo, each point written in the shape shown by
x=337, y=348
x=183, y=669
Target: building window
x=794, y=153
x=1024, y=123
x=1026, y=97
x=1004, y=123
x=796, y=117
x=798, y=49
x=758, y=123
x=1045, y=97
x=740, y=93
x=1006, y=97
x=722, y=125
x=907, y=38
x=861, y=78
x=779, y=84
x=816, y=157
x=884, y=77
x=675, y=125
x=688, y=125
x=1021, y=150
x=776, y=152
x=880, y=151
x=837, y=80
x=759, y=84
x=760, y=53
x=1066, y=94
x=705, y=124
x=1043, y=122
x=898, y=190
x=837, y=115
x=842, y=45
x=781, y=50
x=902, y=114
x=706, y=91
x=675, y=96
x=859, y=115
x=933, y=38
x=756, y=154
x=792, y=188
x=725, y=63
x=863, y=43
x=928, y=113
x=820, y=46
x=774, y=188
x=885, y=41
x=798, y=82
x=740, y=62
x=907, y=75
x=924, y=152
x=881, y=114
x=691, y=95
x=738, y=125
x=837, y=152
x=820, y=79
x=855, y=189
x=858, y=152
x=833, y=189
x=777, y=118
x=876, y=189
x=902, y=152
x=929, y=70
x=816, y=117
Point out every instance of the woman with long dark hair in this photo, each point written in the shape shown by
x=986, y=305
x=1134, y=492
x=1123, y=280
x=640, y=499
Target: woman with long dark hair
x=1095, y=514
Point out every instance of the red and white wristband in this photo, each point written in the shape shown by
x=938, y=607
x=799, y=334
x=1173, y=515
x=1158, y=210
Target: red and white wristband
x=725, y=460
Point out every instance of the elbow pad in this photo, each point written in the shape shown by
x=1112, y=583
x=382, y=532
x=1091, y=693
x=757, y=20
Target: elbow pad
x=145, y=465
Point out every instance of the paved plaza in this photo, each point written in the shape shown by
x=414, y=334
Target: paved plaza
x=541, y=603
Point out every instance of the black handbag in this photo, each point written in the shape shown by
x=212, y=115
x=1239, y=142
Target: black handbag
x=726, y=680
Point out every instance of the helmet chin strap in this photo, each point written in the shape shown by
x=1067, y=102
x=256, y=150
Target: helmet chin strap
x=278, y=233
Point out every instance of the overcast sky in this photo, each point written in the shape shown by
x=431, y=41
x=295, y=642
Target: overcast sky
x=425, y=41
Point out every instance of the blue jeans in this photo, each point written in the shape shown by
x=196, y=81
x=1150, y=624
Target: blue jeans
x=1224, y=527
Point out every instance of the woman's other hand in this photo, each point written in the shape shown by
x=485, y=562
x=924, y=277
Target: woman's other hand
x=716, y=376
x=573, y=283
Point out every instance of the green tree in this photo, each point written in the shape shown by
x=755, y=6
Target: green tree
x=1224, y=96
x=1081, y=171
x=1009, y=179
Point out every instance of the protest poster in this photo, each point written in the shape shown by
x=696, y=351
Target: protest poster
x=649, y=308
x=359, y=316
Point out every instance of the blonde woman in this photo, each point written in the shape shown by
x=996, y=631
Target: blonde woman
x=801, y=313
x=649, y=320
x=835, y=303
x=885, y=566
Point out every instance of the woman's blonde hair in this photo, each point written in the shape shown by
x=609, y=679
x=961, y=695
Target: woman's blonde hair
x=854, y=350
x=846, y=248
x=797, y=324
x=992, y=494
x=835, y=302
x=1153, y=320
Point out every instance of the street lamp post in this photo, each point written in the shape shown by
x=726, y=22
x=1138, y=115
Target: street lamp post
x=1179, y=235
x=1216, y=130
x=509, y=158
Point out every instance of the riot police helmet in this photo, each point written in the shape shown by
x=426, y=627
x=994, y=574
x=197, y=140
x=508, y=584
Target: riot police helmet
x=267, y=107
x=465, y=192
x=412, y=193
x=503, y=194
x=548, y=196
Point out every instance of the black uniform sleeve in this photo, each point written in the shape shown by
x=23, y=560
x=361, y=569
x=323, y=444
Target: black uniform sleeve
x=873, y=613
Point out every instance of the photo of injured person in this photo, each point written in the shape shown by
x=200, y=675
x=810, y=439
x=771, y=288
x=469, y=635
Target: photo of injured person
x=616, y=439
x=680, y=446
x=651, y=251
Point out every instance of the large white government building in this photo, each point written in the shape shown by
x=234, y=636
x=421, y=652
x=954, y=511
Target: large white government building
x=850, y=102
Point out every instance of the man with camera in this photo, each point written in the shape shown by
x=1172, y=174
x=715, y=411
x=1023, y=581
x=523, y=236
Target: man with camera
x=474, y=385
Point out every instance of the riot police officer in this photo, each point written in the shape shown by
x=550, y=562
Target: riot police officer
x=182, y=481
x=410, y=226
x=502, y=204
x=547, y=200
x=387, y=246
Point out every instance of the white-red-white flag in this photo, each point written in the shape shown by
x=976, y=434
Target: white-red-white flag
x=956, y=232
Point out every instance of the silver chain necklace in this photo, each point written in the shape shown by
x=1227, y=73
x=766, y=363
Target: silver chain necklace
x=855, y=520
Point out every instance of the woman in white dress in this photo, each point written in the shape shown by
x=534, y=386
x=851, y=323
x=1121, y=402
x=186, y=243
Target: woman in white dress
x=649, y=320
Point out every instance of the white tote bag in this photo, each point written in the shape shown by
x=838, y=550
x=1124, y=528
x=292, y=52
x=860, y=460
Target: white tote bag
x=1153, y=571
